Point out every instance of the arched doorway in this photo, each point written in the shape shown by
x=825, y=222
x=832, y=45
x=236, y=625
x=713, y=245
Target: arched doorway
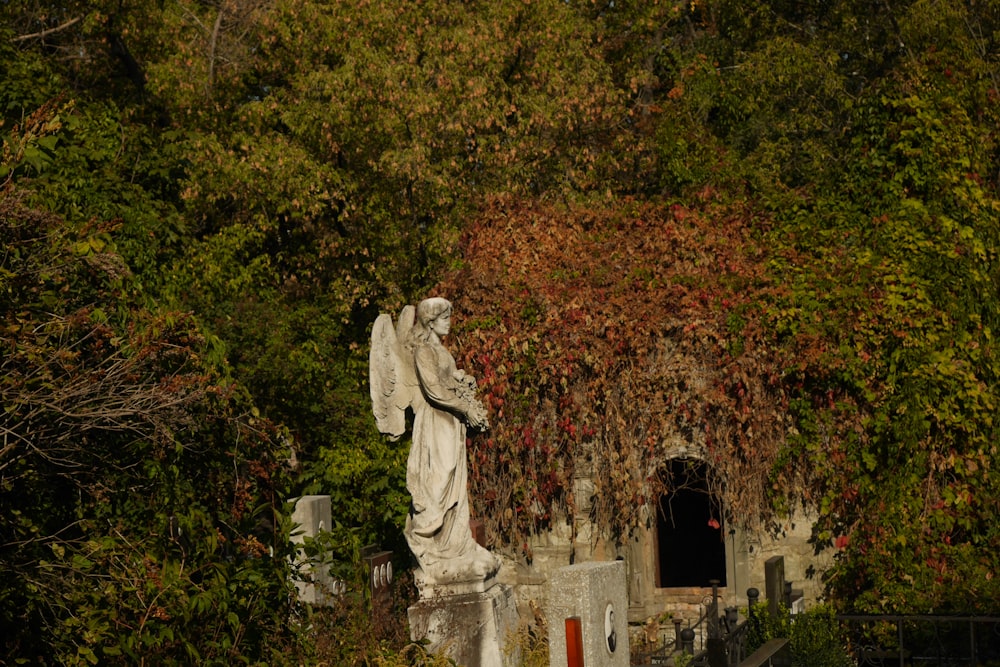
x=691, y=546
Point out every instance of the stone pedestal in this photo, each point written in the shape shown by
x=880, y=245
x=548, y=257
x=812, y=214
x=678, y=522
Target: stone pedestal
x=474, y=629
x=597, y=593
x=435, y=591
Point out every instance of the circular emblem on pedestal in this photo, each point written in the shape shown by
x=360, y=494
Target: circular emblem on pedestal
x=610, y=637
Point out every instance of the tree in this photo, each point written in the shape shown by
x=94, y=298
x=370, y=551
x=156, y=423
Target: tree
x=914, y=495
x=143, y=495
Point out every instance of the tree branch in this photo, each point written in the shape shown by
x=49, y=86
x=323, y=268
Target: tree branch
x=46, y=33
x=211, y=50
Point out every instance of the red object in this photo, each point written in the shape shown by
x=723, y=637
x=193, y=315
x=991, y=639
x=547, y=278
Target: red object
x=574, y=642
x=712, y=523
x=478, y=529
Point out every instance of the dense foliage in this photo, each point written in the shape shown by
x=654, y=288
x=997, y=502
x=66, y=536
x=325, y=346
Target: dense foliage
x=762, y=232
x=142, y=495
x=842, y=354
x=610, y=341
x=815, y=638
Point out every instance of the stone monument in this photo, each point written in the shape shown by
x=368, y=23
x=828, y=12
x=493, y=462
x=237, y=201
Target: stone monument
x=315, y=586
x=462, y=611
x=597, y=594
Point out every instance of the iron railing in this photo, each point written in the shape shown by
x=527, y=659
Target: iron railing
x=924, y=640
x=872, y=640
x=727, y=637
x=723, y=638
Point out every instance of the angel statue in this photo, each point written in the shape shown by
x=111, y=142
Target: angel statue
x=410, y=368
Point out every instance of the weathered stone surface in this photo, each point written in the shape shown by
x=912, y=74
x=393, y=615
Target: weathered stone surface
x=312, y=516
x=774, y=583
x=473, y=629
x=409, y=368
x=596, y=592
x=795, y=544
x=746, y=553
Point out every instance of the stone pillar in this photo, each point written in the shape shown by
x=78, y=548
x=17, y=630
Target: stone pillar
x=639, y=574
x=312, y=516
x=742, y=564
x=596, y=592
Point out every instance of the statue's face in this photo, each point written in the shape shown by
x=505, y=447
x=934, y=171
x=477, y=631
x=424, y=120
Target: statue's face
x=442, y=324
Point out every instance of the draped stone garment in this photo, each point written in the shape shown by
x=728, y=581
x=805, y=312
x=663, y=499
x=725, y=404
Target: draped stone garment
x=437, y=528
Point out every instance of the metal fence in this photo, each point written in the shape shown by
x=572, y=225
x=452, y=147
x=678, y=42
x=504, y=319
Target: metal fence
x=872, y=640
x=723, y=638
x=924, y=640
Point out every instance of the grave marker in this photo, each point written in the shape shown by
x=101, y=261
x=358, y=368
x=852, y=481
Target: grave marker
x=597, y=593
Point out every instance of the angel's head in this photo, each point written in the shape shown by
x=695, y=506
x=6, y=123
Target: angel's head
x=433, y=315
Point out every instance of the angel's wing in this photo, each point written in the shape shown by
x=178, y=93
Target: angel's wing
x=384, y=376
x=391, y=373
x=407, y=372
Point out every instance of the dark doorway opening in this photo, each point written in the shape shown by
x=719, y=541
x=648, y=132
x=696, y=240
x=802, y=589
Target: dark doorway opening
x=691, y=542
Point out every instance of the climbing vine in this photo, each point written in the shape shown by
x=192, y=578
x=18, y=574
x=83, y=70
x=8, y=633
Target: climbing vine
x=607, y=342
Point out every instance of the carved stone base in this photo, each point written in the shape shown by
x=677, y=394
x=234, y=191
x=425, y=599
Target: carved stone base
x=473, y=629
x=433, y=591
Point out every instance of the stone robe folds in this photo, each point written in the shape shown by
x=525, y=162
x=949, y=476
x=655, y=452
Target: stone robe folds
x=437, y=528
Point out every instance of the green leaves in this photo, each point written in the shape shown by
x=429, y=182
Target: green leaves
x=912, y=226
x=144, y=467
x=766, y=230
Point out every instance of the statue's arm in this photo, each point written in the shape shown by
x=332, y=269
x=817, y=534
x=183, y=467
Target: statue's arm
x=440, y=390
x=444, y=389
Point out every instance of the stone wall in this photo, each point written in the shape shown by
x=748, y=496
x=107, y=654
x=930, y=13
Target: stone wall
x=745, y=555
x=803, y=567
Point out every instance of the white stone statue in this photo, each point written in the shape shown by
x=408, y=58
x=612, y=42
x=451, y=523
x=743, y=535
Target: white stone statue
x=410, y=368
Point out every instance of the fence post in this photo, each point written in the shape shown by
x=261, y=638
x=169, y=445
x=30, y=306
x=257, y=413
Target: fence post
x=899, y=637
x=972, y=642
x=753, y=595
x=687, y=641
x=677, y=633
x=713, y=613
x=574, y=642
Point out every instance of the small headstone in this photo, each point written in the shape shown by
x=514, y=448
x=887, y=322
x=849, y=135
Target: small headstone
x=379, y=573
x=774, y=583
x=798, y=602
x=312, y=516
x=596, y=592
